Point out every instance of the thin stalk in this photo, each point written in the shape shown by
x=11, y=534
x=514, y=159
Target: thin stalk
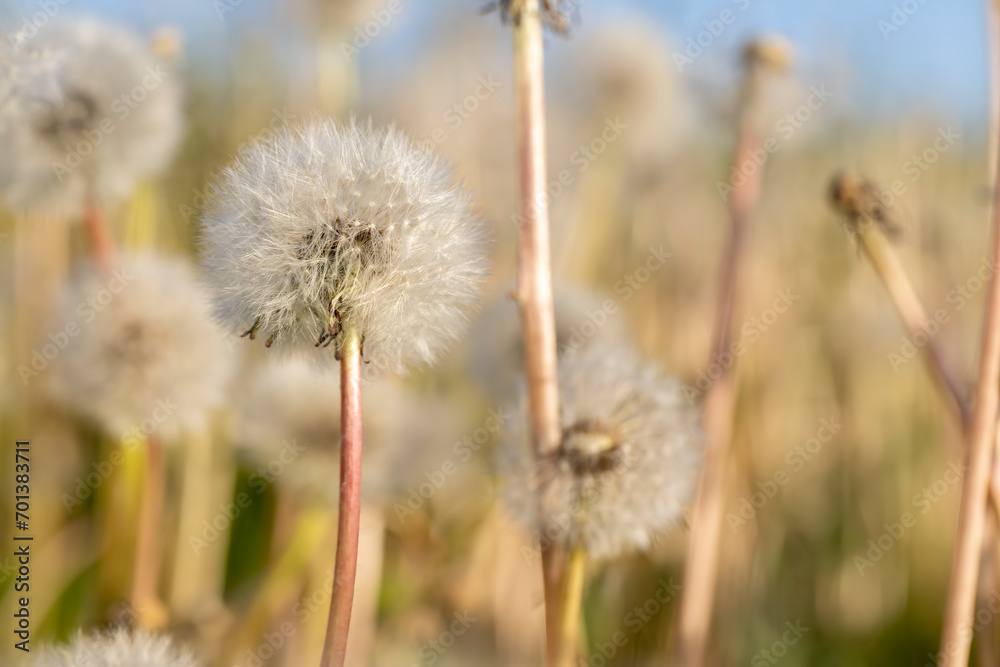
x=534, y=260
x=148, y=548
x=912, y=312
x=534, y=270
x=100, y=240
x=703, y=547
x=349, y=509
x=959, y=608
x=570, y=607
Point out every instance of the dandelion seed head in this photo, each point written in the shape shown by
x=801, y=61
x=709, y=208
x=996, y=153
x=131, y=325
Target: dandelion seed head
x=147, y=346
x=92, y=110
x=320, y=224
x=628, y=461
x=117, y=648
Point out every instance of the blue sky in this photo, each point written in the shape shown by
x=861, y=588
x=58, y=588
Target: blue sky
x=936, y=60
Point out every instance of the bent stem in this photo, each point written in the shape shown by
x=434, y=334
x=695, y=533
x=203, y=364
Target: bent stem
x=349, y=509
x=148, y=553
x=100, y=240
x=912, y=312
x=534, y=263
x=570, y=607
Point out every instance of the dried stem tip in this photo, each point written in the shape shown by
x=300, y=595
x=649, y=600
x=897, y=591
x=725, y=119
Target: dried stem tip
x=774, y=53
x=860, y=202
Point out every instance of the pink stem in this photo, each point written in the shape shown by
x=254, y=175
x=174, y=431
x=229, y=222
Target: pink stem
x=349, y=510
x=99, y=237
x=534, y=282
x=703, y=546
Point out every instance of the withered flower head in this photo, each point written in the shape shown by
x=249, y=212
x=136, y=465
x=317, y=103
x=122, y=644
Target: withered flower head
x=552, y=13
x=774, y=53
x=861, y=203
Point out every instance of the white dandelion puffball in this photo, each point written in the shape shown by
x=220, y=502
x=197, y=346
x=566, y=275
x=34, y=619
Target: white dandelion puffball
x=146, y=350
x=628, y=462
x=100, y=114
x=116, y=648
x=319, y=227
x=290, y=432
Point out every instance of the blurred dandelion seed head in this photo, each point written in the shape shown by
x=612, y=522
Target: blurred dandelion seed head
x=320, y=224
x=623, y=70
x=117, y=648
x=628, y=461
x=151, y=350
x=291, y=415
x=495, y=353
x=99, y=115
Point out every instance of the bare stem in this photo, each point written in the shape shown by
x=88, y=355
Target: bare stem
x=148, y=553
x=570, y=607
x=100, y=240
x=703, y=546
x=957, y=633
x=534, y=269
x=349, y=509
x=912, y=312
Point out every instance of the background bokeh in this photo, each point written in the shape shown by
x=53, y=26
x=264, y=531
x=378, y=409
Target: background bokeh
x=831, y=397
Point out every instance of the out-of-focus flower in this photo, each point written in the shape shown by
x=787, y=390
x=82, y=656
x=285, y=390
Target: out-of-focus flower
x=623, y=73
x=496, y=348
x=90, y=111
x=322, y=225
x=116, y=648
x=147, y=350
x=628, y=461
x=290, y=427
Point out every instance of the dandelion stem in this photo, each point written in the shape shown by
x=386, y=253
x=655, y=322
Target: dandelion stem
x=148, y=553
x=99, y=237
x=912, y=312
x=349, y=510
x=957, y=636
x=534, y=261
x=570, y=606
x=703, y=546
